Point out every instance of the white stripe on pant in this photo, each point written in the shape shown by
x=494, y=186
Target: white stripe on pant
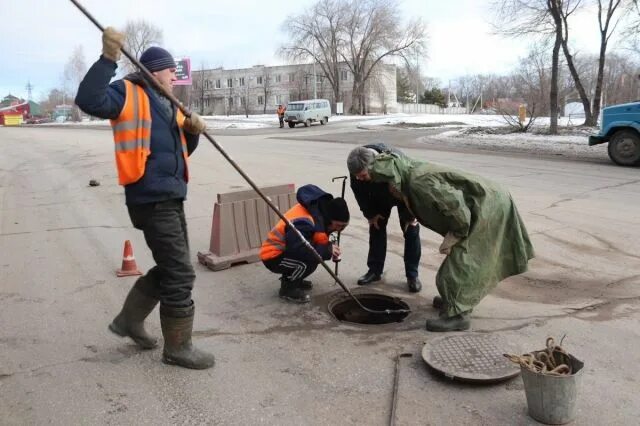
x=297, y=267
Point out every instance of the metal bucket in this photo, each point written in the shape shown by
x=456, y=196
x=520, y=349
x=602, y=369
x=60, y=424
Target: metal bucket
x=552, y=399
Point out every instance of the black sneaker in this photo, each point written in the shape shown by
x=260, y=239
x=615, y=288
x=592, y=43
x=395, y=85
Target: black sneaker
x=414, y=284
x=293, y=292
x=368, y=278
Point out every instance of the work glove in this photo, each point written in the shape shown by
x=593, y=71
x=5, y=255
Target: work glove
x=335, y=253
x=194, y=124
x=449, y=241
x=112, y=42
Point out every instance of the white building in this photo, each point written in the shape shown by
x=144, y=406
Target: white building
x=218, y=91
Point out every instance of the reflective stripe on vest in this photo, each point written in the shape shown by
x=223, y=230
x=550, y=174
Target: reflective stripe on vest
x=275, y=244
x=132, y=135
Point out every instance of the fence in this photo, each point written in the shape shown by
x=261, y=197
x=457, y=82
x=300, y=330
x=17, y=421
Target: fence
x=429, y=109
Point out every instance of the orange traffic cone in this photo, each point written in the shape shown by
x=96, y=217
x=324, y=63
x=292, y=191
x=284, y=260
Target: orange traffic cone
x=129, y=266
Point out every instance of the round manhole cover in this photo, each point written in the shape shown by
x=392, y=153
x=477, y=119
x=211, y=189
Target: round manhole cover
x=345, y=309
x=471, y=357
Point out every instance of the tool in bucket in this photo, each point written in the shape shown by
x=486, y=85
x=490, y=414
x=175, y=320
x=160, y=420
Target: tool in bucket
x=246, y=177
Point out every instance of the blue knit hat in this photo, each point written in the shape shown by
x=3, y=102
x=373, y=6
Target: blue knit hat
x=157, y=59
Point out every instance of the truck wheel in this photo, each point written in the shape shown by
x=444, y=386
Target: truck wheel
x=292, y=124
x=307, y=123
x=624, y=148
x=322, y=121
x=326, y=120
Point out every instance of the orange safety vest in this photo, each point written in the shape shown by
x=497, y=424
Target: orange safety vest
x=274, y=245
x=132, y=135
x=281, y=111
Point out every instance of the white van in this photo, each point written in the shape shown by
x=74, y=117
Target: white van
x=307, y=112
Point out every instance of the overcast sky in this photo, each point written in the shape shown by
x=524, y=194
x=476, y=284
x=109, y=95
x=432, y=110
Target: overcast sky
x=38, y=36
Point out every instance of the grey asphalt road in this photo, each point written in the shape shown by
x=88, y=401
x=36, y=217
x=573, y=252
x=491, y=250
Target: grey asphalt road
x=61, y=241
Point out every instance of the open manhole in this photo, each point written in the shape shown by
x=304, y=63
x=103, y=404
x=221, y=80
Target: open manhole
x=345, y=309
x=471, y=357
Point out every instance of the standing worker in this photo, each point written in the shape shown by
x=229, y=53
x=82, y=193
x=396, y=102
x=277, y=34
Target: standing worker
x=153, y=141
x=376, y=203
x=484, y=237
x=280, y=112
x=316, y=216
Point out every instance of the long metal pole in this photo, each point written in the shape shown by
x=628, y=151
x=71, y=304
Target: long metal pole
x=246, y=177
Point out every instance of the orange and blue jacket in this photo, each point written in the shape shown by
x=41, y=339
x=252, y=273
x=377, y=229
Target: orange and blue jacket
x=151, y=148
x=306, y=218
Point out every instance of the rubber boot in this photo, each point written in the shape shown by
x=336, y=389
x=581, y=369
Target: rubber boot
x=293, y=291
x=458, y=322
x=137, y=307
x=177, y=326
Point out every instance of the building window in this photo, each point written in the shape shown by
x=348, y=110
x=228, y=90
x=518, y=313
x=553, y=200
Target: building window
x=259, y=80
x=278, y=78
x=279, y=99
x=206, y=102
x=206, y=84
x=241, y=81
x=292, y=77
x=243, y=101
x=229, y=82
x=260, y=100
x=344, y=75
x=217, y=83
x=230, y=101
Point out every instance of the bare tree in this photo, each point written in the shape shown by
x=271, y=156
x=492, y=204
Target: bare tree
x=374, y=32
x=74, y=71
x=139, y=36
x=266, y=91
x=316, y=35
x=607, y=25
x=535, y=18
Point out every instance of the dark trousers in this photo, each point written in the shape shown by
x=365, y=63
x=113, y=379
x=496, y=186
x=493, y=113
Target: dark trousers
x=290, y=267
x=281, y=119
x=378, y=243
x=165, y=231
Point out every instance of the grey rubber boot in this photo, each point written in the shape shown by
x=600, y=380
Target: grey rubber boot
x=177, y=325
x=137, y=307
x=459, y=322
x=293, y=291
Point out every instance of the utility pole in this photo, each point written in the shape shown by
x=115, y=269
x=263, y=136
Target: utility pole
x=29, y=88
x=417, y=76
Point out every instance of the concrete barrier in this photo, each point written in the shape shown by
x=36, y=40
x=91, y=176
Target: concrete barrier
x=241, y=222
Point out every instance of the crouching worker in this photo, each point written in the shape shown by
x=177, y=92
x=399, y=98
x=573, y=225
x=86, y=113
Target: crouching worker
x=316, y=216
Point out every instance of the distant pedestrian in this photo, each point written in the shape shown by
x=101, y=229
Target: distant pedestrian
x=280, y=112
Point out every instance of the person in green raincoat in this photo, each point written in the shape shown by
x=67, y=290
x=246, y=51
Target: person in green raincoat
x=485, y=239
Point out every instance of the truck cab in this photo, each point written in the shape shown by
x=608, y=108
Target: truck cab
x=621, y=130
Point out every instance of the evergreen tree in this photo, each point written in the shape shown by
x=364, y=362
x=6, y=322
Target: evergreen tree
x=403, y=89
x=434, y=97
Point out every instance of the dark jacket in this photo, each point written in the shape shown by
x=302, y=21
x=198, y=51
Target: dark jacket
x=164, y=171
x=314, y=200
x=374, y=197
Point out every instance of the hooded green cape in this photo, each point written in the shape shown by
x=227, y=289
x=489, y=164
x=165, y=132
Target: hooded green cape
x=494, y=243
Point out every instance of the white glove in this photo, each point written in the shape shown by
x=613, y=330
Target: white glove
x=448, y=242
